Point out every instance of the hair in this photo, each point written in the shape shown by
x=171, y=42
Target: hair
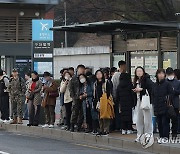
x=68, y=73
x=103, y=78
x=34, y=72
x=121, y=62
x=113, y=69
x=177, y=73
x=81, y=66
x=169, y=71
x=1, y=72
x=160, y=70
x=136, y=77
x=71, y=68
x=28, y=74
x=47, y=74
x=61, y=71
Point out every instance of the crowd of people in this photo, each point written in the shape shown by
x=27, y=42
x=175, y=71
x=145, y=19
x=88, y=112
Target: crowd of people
x=96, y=103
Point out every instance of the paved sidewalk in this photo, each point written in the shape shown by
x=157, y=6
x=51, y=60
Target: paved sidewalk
x=115, y=139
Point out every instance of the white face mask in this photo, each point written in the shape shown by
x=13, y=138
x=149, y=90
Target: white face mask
x=83, y=80
x=170, y=77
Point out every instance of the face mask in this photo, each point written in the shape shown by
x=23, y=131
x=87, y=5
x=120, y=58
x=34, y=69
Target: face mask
x=83, y=80
x=170, y=77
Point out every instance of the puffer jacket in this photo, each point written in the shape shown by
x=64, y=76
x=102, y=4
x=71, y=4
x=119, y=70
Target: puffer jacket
x=160, y=92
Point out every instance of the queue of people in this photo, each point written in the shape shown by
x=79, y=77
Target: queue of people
x=97, y=103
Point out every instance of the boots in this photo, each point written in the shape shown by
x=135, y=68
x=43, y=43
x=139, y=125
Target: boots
x=14, y=121
x=20, y=120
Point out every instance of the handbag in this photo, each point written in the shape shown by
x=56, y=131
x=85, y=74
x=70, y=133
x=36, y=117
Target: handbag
x=145, y=102
x=54, y=94
x=30, y=96
x=171, y=112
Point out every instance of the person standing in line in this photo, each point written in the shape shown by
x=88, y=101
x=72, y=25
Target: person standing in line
x=64, y=88
x=161, y=90
x=175, y=102
x=142, y=84
x=17, y=89
x=77, y=111
x=125, y=100
x=115, y=82
x=177, y=76
x=28, y=80
x=33, y=96
x=86, y=95
x=71, y=71
x=4, y=97
x=50, y=90
x=102, y=89
x=62, y=120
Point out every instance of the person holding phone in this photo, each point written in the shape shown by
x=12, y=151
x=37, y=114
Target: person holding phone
x=64, y=88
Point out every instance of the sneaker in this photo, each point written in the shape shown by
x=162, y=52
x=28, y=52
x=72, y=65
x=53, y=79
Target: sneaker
x=164, y=140
x=94, y=132
x=45, y=126
x=159, y=141
x=99, y=134
x=123, y=132
x=105, y=134
x=6, y=121
x=51, y=126
x=129, y=132
x=64, y=127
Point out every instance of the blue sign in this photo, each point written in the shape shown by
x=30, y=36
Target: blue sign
x=40, y=30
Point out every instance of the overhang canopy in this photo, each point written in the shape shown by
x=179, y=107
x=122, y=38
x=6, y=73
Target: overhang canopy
x=119, y=26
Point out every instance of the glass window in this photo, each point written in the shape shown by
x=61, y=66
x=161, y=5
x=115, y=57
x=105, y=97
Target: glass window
x=170, y=60
x=117, y=58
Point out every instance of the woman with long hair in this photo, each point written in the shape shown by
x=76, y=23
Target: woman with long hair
x=33, y=96
x=142, y=85
x=103, y=88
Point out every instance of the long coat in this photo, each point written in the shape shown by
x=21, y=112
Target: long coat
x=160, y=92
x=37, y=92
x=49, y=100
x=125, y=97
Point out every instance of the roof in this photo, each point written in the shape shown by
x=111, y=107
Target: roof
x=119, y=26
x=54, y=2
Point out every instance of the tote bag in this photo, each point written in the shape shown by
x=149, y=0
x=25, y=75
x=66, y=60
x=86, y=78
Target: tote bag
x=145, y=103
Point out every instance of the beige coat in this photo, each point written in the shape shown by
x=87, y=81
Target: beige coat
x=64, y=88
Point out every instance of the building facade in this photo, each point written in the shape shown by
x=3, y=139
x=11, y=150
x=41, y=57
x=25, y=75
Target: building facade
x=16, y=32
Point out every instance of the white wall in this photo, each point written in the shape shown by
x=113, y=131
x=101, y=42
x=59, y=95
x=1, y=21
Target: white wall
x=95, y=61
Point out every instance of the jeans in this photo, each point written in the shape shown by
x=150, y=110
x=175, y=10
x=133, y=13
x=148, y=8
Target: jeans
x=34, y=113
x=163, y=125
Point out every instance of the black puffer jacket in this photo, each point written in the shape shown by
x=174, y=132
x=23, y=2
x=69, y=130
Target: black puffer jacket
x=147, y=84
x=160, y=92
x=125, y=97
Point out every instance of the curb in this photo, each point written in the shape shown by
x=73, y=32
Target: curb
x=88, y=138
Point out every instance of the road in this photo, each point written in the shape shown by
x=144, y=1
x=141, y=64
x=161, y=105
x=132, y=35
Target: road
x=11, y=143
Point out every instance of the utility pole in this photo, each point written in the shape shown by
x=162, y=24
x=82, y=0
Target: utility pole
x=65, y=20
